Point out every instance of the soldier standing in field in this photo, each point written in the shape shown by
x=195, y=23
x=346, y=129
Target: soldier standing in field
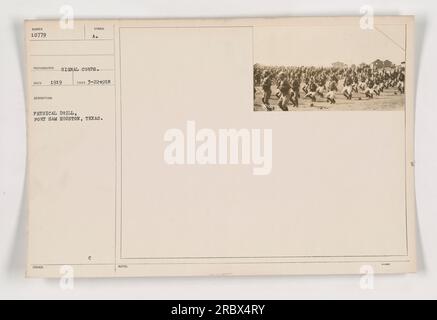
x=267, y=89
x=401, y=83
x=295, y=87
x=284, y=89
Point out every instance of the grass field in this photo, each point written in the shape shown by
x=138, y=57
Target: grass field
x=388, y=100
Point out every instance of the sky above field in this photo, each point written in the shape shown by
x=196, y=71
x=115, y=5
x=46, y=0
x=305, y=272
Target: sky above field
x=321, y=46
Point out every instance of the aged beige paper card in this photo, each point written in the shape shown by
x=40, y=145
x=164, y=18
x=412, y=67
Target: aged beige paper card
x=220, y=147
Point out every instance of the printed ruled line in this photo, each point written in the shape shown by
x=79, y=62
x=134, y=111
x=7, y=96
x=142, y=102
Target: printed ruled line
x=218, y=263
x=94, y=39
x=58, y=70
x=266, y=257
x=71, y=85
x=72, y=55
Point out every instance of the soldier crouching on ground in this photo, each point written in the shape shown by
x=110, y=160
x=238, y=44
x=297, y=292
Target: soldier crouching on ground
x=332, y=87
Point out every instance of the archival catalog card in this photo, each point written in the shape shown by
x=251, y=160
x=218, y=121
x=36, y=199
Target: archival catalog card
x=220, y=146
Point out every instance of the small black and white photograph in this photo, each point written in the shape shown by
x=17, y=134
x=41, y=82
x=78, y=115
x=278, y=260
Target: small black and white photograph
x=338, y=68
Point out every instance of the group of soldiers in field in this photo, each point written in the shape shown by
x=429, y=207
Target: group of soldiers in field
x=294, y=83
